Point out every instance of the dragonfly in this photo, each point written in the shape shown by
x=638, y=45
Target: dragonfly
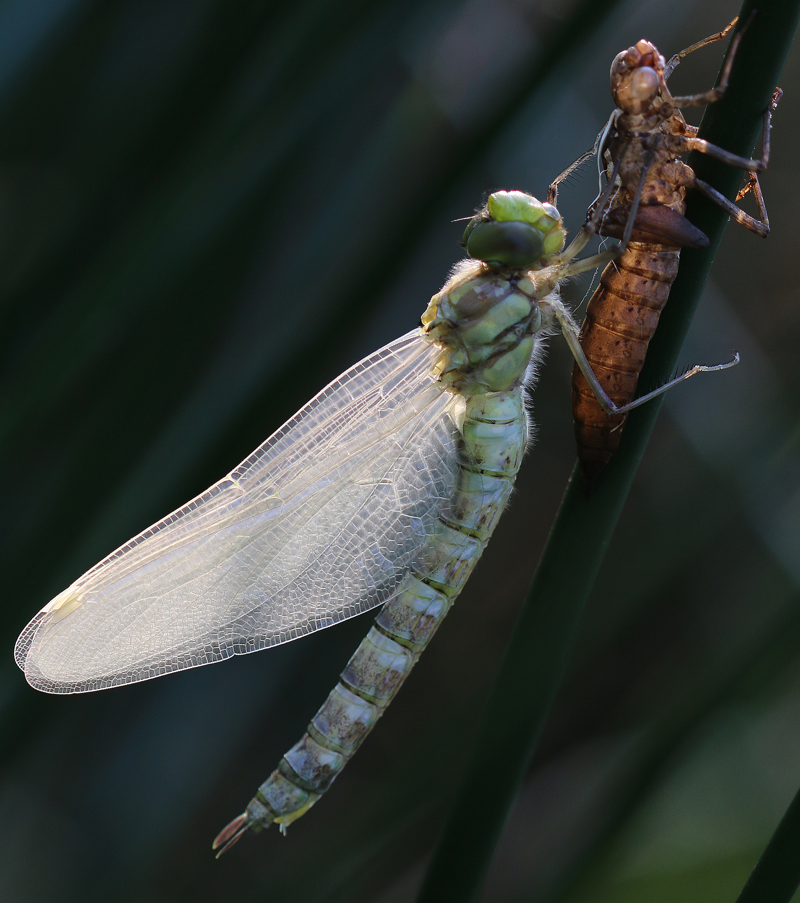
x=382, y=491
x=639, y=150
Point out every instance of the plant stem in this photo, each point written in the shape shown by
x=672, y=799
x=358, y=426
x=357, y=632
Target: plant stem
x=777, y=873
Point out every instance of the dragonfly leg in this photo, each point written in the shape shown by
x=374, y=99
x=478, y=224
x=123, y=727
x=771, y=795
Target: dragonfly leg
x=674, y=62
x=596, y=150
x=717, y=153
x=552, y=191
x=714, y=94
x=759, y=226
x=692, y=371
x=692, y=143
x=754, y=185
x=570, y=333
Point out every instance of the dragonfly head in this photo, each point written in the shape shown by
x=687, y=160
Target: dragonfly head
x=514, y=230
x=637, y=77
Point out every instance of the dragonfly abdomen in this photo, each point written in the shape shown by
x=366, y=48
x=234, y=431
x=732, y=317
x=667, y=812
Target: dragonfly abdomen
x=491, y=438
x=621, y=318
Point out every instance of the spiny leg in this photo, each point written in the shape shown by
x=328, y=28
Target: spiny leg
x=758, y=226
x=754, y=185
x=713, y=95
x=692, y=143
x=595, y=151
x=674, y=62
x=570, y=333
x=692, y=371
x=552, y=191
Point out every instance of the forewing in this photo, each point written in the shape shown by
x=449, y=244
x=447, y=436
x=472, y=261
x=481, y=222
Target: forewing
x=319, y=524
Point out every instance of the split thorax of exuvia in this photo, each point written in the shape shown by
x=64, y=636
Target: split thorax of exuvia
x=487, y=317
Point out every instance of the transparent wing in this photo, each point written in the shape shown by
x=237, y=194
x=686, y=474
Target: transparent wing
x=319, y=524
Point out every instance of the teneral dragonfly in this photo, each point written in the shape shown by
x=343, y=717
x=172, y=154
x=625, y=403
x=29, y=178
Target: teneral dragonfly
x=640, y=151
x=383, y=490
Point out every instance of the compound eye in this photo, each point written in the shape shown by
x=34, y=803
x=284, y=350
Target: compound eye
x=644, y=84
x=510, y=244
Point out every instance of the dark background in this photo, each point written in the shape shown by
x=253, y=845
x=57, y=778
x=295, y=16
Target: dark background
x=207, y=211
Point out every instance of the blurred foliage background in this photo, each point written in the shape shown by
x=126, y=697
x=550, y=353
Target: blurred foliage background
x=207, y=211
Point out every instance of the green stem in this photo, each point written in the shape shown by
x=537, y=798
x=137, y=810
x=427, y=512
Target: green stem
x=543, y=637
x=777, y=873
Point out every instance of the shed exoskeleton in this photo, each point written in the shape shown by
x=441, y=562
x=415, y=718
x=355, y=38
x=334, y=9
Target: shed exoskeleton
x=640, y=151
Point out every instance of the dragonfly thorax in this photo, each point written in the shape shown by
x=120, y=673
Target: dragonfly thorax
x=486, y=322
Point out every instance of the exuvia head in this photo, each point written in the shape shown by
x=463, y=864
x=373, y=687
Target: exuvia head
x=514, y=230
x=637, y=77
